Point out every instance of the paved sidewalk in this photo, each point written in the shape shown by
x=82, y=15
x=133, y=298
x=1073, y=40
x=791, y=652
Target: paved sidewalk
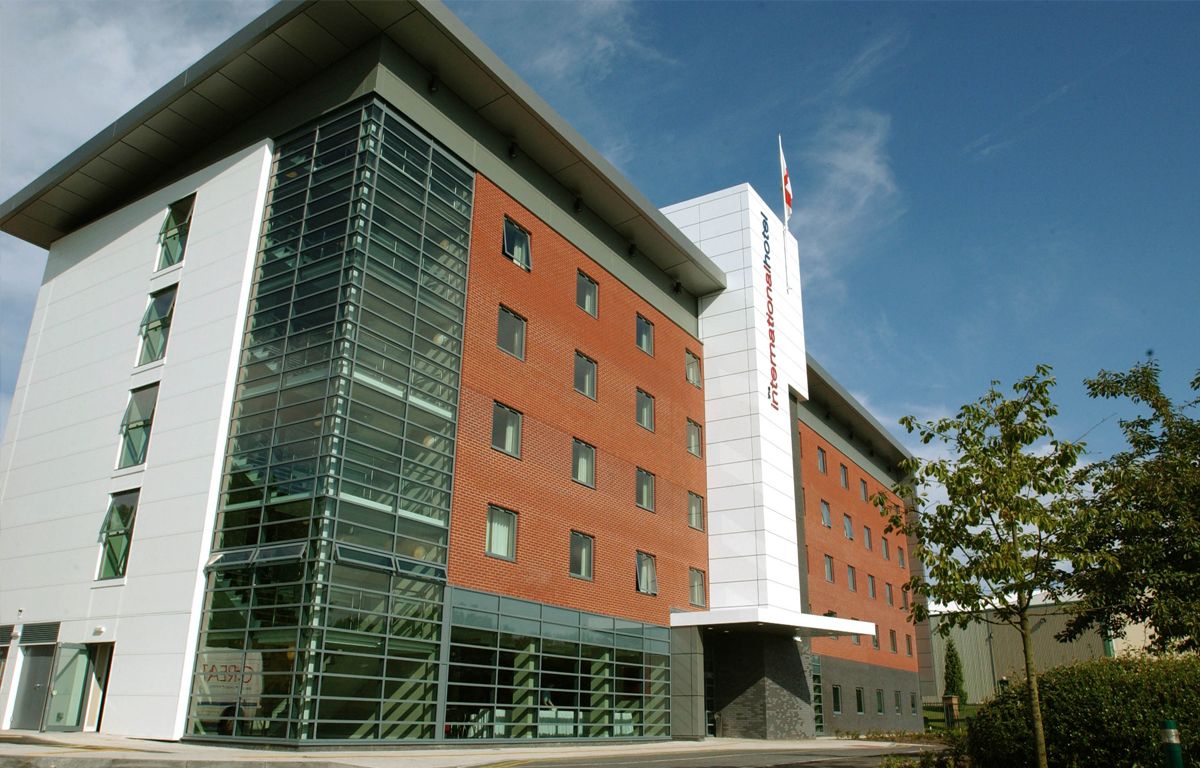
x=24, y=749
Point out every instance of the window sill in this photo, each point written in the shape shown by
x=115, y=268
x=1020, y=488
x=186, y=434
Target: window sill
x=165, y=277
x=648, y=509
x=148, y=367
x=108, y=583
x=588, y=579
x=501, y=558
x=128, y=471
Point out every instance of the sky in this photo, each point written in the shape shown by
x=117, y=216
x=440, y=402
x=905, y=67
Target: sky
x=979, y=187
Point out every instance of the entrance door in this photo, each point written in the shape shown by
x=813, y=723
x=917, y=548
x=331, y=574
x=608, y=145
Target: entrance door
x=68, y=689
x=34, y=685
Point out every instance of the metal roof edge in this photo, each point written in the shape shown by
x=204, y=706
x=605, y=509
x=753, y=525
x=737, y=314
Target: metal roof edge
x=854, y=405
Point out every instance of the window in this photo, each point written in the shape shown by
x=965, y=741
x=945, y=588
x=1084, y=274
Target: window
x=135, y=426
x=645, y=335
x=156, y=324
x=875, y=638
x=837, y=699
x=829, y=569
x=586, y=293
x=510, y=333
x=851, y=578
x=848, y=527
x=821, y=460
x=904, y=597
x=912, y=701
x=645, y=489
x=583, y=463
x=696, y=587
x=695, y=511
x=892, y=637
x=645, y=410
x=879, y=701
x=581, y=555
x=845, y=477
x=859, y=700
x=883, y=544
x=585, y=375
x=695, y=438
x=115, y=534
x=900, y=556
x=907, y=650
x=866, y=537
x=871, y=586
x=692, y=368
x=647, y=579
x=506, y=430
x=856, y=639
x=899, y=706
x=825, y=514
x=888, y=589
x=174, y=233
x=501, y=533
x=862, y=487
x=516, y=243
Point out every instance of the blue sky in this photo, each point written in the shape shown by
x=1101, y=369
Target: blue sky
x=980, y=187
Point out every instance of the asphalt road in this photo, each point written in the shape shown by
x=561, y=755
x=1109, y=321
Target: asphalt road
x=832, y=758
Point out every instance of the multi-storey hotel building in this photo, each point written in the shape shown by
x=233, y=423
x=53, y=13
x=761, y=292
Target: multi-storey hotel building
x=363, y=400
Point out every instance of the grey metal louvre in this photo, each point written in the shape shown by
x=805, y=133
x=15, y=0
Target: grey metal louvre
x=40, y=634
x=6, y=631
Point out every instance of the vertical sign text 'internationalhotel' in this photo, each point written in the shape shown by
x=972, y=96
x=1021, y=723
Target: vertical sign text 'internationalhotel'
x=773, y=387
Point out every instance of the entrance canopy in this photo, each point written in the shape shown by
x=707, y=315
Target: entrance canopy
x=774, y=620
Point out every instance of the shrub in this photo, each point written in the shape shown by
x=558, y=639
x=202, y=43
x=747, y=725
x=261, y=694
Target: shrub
x=1103, y=714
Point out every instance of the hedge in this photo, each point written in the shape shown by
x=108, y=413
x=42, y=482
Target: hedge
x=1103, y=713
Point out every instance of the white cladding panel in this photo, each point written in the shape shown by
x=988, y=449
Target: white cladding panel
x=61, y=445
x=753, y=336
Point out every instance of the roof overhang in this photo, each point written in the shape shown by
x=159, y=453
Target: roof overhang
x=825, y=391
x=772, y=619
x=285, y=47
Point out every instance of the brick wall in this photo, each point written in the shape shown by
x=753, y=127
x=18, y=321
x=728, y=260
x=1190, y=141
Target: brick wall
x=832, y=541
x=538, y=486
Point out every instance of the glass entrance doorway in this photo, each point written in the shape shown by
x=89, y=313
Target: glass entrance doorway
x=68, y=689
x=34, y=687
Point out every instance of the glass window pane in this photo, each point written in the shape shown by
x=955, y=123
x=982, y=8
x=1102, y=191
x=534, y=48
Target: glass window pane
x=828, y=568
x=645, y=410
x=501, y=533
x=516, y=243
x=696, y=587
x=647, y=578
x=586, y=292
x=583, y=460
x=845, y=478
x=581, y=555
x=585, y=375
x=116, y=533
x=506, y=430
x=848, y=527
x=510, y=334
x=825, y=515
x=173, y=235
x=645, y=489
x=693, y=368
x=821, y=460
x=645, y=335
x=695, y=439
x=695, y=511
x=135, y=427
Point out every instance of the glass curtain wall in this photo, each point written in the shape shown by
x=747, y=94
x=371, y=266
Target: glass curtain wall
x=323, y=612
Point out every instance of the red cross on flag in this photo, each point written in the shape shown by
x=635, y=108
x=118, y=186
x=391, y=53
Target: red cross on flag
x=787, y=186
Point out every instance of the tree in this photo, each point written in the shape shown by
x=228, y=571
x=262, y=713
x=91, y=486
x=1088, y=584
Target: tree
x=953, y=677
x=993, y=542
x=1137, y=552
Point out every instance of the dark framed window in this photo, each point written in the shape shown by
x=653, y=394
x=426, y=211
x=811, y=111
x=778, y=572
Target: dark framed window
x=899, y=706
x=581, y=555
x=696, y=587
x=883, y=546
x=135, y=426
x=879, y=701
x=871, y=586
x=692, y=368
x=900, y=556
x=695, y=439
x=848, y=527
x=585, y=375
x=845, y=477
x=825, y=521
x=856, y=639
x=116, y=533
x=907, y=650
x=510, y=333
x=912, y=701
x=645, y=335
x=645, y=410
x=821, y=461
x=645, y=489
x=695, y=511
x=506, y=430
x=866, y=537
x=586, y=294
x=647, y=577
x=888, y=591
x=892, y=637
x=583, y=463
x=156, y=326
x=875, y=638
x=501, y=533
x=862, y=489
x=859, y=700
x=904, y=597
x=837, y=699
x=516, y=244
x=852, y=578
x=829, y=569
x=172, y=238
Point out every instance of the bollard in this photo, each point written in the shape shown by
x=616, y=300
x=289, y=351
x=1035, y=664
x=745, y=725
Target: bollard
x=1172, y=749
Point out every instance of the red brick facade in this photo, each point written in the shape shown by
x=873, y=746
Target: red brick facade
x=821, y=541
x=538, y=485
